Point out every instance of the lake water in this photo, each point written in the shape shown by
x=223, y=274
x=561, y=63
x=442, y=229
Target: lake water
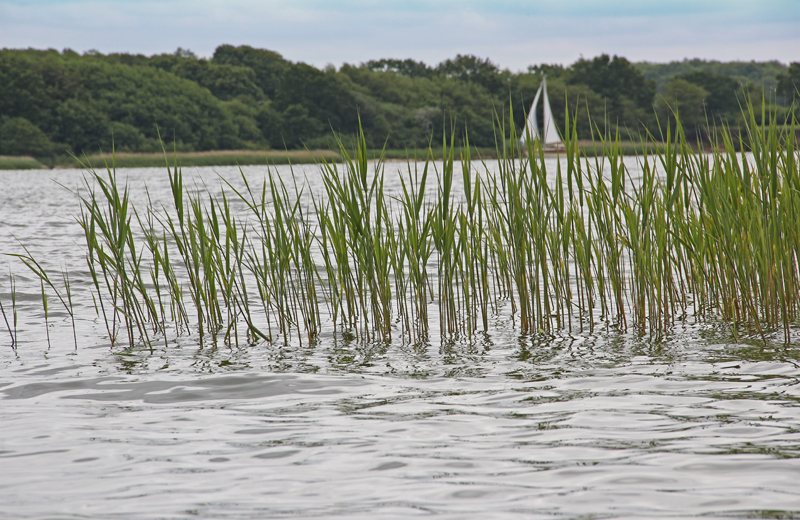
x=593, y=425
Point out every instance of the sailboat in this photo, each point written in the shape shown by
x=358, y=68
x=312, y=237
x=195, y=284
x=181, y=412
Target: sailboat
x=549, y=137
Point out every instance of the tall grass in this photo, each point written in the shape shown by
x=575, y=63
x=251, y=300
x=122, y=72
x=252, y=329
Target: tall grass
x=711, y=237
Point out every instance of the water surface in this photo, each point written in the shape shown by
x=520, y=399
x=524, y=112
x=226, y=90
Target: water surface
x=583, y=425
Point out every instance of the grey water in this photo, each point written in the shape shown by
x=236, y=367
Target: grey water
x=602, y=424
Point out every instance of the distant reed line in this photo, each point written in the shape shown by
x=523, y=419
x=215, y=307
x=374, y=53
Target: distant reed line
x=704, y=236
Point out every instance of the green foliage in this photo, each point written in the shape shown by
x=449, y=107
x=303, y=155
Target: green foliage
x=154, y=100
x=616, y=79
x=466, y=105
x=789, y=84
x=127, y=138
x=243, y=114
x=247, y=98
x=33, y=85
x=471, y=69
x=288, y=128
x=552, y=71
x=408, y=67
x=224, y=81
x=627, y=97
x=723, y=93
x=762, y=74
x=267, y=66
x=686, y=101
x=82, y=125
x=18, y=136
x=321, y=95
x=84, y=101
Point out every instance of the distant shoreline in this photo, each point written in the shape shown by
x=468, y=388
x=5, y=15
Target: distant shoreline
x=186, y=159
x=253, y=157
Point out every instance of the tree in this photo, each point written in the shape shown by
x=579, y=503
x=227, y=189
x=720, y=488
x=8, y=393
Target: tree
x=225, y=81
x=128, y=138
x=323, y=96
x=552, y=71
x=82, y=126
x=18, y=136
x=474, y=70
x=615, y=79
x=410, y=68
x=33, y=84
x=268, y=66
x=154, y=101
x=247, y=97
x=789, y=84
x=686, y=101
x=466, y=105
x=760, y=73
x=722, y=91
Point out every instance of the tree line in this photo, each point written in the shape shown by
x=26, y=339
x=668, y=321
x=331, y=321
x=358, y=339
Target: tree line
x=242, y=97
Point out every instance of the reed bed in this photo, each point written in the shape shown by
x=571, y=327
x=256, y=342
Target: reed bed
x=711, y=237
x=11, y=162
x=211, y=158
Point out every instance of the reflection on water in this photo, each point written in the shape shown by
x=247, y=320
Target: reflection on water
x=599, y=425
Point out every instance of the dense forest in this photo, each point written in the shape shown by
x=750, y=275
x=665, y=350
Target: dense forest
x=52, y=102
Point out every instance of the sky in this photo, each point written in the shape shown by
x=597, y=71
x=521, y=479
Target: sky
x=512, y=33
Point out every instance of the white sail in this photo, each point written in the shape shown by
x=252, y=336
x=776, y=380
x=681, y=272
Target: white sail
x=531, y=125
x=549, y=137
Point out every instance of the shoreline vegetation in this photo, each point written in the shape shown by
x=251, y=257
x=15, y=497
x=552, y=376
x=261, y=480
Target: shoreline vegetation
x=711, y=239
x=272, y=157
x=58, y=104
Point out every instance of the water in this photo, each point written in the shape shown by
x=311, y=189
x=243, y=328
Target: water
x=600, y=425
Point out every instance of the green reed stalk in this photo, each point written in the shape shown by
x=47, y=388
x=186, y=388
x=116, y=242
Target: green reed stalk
x=106, y=219
x=414, y=232
x=46, y=312
x=12, y=331
x=352, y=223
x=443, y=233
x=68, y=292
x=31, y=263
x=183, y=232
x=14, y=305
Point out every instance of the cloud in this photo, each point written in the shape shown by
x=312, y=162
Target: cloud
x=512, y=33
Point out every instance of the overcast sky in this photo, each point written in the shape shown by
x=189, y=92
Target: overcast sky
x=513, y=33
